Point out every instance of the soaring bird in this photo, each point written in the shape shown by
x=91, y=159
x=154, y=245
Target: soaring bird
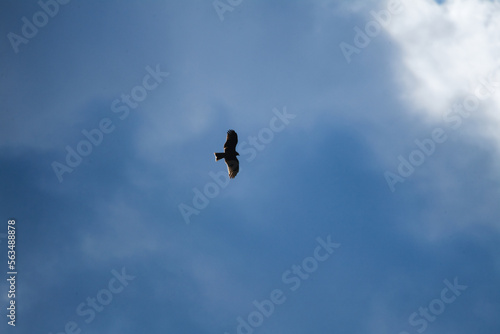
x=229, y=155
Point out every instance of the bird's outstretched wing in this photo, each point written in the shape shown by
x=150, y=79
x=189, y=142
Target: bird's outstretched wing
x=231, y=141
x=233, y=167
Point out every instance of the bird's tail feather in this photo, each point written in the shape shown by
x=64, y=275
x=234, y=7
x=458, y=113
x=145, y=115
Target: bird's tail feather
x=219, y=156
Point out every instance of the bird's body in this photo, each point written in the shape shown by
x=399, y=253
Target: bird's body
x=229, y=155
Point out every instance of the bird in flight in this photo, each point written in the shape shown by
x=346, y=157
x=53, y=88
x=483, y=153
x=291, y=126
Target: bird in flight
x=229, y=155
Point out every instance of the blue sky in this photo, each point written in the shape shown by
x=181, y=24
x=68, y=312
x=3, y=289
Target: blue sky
x=378, y=137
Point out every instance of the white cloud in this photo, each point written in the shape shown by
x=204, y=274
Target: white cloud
x=445, y=50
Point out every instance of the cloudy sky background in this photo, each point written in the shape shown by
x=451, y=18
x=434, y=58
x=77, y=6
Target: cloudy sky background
x=323, y=175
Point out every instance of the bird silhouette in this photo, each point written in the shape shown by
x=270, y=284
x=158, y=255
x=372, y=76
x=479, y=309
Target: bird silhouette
x=229, y=155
